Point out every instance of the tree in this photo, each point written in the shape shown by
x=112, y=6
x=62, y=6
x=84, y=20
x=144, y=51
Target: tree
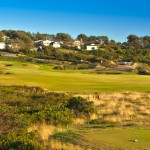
x=146, y=41
x=63, y=37
x=134, y=41
x=132, y=38
x=21, y=38
x=92, y=39
x=82, y=37
x=40, y=36
x=104, y=39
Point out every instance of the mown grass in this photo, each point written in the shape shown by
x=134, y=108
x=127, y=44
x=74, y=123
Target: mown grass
x=70, y=80
x=120, y=138
x=109, y=138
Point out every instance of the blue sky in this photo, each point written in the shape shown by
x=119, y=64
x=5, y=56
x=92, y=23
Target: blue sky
x=113, y=18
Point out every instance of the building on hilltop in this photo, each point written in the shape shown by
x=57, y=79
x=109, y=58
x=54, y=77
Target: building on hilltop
x=42, y=43
x=55, y=44
x=91, y=47
x=47, y=43
x=77, y=44
x=2, y=45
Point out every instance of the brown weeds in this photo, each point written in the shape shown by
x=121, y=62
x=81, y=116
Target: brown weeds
x=122, y=108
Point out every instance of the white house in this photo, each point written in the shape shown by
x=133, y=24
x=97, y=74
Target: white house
x=55, y=44
x=91, y=47
x=43, y=42
x=38, y=43
x=2, y=45
x=77, y=43
x=46, y=42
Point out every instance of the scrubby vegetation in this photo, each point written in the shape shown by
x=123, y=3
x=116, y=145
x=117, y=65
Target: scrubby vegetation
x=23, y=106
x=32, y=118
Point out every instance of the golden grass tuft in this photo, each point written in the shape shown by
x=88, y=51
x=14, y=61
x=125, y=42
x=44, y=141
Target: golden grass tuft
x=126, y=107
x=57, y=145
x=79, y=121
x=44, y=130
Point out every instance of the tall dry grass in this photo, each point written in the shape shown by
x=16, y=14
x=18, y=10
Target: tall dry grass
x=127, y=107
x=45, y=131
x=57, y=145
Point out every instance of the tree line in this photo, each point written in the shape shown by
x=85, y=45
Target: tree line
x=135, y=49
x=25, y=39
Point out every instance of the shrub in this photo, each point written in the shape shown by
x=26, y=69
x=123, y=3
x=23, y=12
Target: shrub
x=19, y=141
x=143, y=69
x=81, y=107
x=8, y=65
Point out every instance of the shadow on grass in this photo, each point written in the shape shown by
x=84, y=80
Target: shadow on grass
x=67, y=136
x=74, y=138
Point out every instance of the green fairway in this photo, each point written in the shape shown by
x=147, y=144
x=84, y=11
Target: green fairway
x=121, y=138
x=109, y=138
x=70, y=80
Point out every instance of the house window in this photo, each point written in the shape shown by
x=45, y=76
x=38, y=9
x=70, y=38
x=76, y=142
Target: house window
x=93, y=48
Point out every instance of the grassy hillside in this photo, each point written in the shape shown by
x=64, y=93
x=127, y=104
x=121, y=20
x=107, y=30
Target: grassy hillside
x=24, y=73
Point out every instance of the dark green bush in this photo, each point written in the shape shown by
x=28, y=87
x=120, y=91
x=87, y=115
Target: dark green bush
x=17, y=141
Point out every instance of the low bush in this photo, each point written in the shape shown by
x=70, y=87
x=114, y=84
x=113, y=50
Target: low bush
x=143, y=69
x=17, y=141
x=8, y=65
x=23, y=106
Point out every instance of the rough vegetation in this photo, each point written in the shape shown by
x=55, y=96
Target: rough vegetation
x=32, y=118
x=129, y=108
x=23, y=106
